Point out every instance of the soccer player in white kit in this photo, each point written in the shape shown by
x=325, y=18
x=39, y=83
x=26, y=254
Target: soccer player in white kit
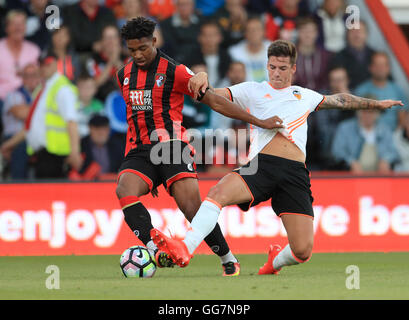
x=279, y=156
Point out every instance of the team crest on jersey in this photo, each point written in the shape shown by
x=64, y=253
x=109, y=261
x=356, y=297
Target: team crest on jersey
x=141, y=100
x=160, y=79
x=126, y=81
x=297, y=94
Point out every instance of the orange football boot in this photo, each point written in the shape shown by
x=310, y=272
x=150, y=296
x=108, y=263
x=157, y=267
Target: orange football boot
x=175, y=248
x=268, y=266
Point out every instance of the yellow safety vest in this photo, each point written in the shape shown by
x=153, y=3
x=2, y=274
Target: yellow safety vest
x=57, y=138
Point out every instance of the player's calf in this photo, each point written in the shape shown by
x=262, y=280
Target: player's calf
x=302, y=253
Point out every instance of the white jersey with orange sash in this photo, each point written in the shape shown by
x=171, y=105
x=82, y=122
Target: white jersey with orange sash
x=292, y=104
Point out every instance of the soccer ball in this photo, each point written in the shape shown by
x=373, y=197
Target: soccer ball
x=136, y=262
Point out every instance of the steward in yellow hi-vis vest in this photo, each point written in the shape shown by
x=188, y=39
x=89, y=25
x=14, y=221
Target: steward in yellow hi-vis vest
x=51, y=128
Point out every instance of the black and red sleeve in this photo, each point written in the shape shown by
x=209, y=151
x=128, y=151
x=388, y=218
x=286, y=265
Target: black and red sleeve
x=182, y=77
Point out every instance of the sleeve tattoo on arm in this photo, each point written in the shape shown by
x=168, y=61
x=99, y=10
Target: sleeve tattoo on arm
x=349, y=102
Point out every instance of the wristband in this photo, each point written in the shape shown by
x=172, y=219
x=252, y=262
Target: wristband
x=201, y=94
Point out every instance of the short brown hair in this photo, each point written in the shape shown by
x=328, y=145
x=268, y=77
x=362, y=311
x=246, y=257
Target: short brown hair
x=282, y=48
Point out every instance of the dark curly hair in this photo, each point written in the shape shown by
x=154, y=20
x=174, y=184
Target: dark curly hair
x=138, y=28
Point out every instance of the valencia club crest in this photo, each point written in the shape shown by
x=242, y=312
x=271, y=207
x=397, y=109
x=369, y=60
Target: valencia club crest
x=297, y=94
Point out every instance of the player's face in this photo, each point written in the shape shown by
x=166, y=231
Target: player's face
x=142, y=51
x=280, y=71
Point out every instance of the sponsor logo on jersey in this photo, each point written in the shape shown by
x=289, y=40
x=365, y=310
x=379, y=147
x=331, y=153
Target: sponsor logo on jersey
x=141, y=100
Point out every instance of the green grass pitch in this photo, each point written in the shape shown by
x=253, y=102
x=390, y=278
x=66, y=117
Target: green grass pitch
x=381, y=276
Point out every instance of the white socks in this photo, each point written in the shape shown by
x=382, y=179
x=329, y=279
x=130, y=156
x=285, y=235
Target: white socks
x=286, y=258
x=229, y=257
x=202, y=224
x=151, y=247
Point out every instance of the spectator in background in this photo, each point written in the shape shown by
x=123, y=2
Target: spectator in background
x=282, y=18
x=195, y=114
x=381, y=87
x=136, y=8
x=181, y=31
x=89, y=105
x=252, y=51
x=68, y=61
x=210, y=54
x=208, y=7
x=63, y=3
x=365, y=145
x=356, y=56
x=104, y=64
x=15, y=52
x=322, y=126
x=312, y=60
x=100, y=148
x=161, y=9
x=86, y=20
x=15, y=111
x=401, y=141
x=114, y=5
x=259, y=6
x=232, y=18
x=235, y=74
x=51, y=126
x=331, y=22
x=37, y=31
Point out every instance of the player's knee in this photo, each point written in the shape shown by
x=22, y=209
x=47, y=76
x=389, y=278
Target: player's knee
x=189, y=210
x=120, y=191
x=303, y=252
x=217, y=194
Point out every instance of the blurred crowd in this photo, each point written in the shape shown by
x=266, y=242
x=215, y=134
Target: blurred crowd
x=226, y=38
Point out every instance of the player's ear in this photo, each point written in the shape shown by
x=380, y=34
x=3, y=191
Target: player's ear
x=153, y=41
x=293, y=68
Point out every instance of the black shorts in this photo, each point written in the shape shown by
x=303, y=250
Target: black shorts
x=285, y=182
x=169, y=168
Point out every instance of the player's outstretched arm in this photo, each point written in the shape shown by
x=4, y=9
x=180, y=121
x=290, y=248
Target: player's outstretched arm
x=198, y=84
x=229, y=109
x=350, y=102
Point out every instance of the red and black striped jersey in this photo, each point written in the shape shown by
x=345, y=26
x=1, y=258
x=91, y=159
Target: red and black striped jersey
x=154, y=100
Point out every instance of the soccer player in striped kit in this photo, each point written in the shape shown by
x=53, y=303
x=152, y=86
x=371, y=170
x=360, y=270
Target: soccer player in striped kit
x=153, y=86
x=281, y=175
